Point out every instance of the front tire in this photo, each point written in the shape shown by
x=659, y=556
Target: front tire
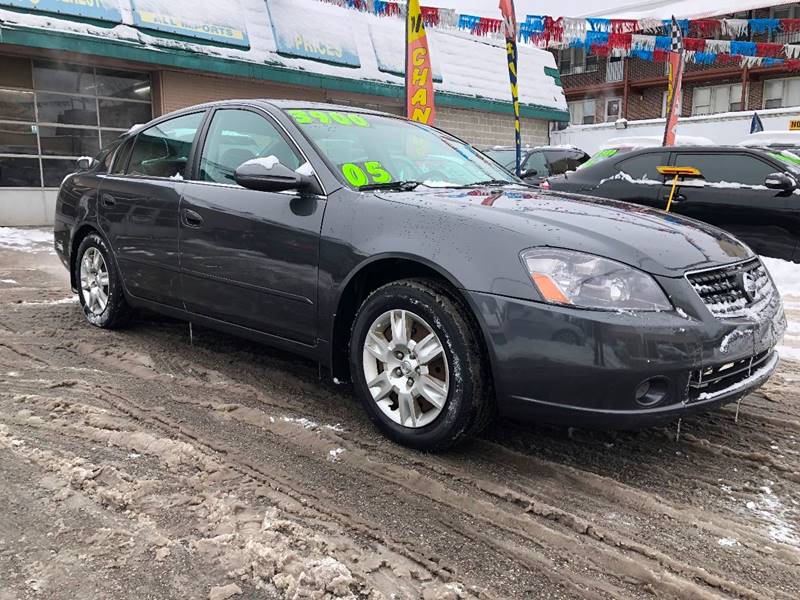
x=417, y=365
x=99, y=284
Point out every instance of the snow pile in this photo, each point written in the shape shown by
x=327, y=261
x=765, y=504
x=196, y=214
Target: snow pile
x=25, y=240
x=786, y=276
x=650, y=141
x=772, y=138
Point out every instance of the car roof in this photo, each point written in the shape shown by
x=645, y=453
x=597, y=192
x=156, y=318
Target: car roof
x=283, y=104
x=703, y=149
x=571, y=148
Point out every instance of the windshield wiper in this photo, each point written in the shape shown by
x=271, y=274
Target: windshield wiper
x=403, y=186
x=490, y=182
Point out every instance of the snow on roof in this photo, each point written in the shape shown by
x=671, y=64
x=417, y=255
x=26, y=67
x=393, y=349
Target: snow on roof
x=772, y=138
x=468, y=65
x=647, y=141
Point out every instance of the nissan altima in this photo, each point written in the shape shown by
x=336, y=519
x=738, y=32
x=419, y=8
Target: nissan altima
x=408, y=263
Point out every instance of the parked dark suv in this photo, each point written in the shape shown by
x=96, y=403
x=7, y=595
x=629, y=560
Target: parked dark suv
x=407, y=262
x=540, y=161
x=750, y=192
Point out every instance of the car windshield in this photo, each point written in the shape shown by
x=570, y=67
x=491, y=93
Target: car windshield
x=790, y=157
x=605, y=154
x=374, y=150
x=507, y=158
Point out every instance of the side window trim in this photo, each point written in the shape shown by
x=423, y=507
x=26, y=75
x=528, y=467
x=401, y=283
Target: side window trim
x=124, y=153
x=192, y=150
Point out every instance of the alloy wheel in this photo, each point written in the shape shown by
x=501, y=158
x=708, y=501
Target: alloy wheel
x=94, y=281
x=406, y=368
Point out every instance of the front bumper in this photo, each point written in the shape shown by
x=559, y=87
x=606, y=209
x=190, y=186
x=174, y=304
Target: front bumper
x=582, y=368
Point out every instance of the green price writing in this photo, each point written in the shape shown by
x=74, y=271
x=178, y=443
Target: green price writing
x=371, y=171
x=327, y=117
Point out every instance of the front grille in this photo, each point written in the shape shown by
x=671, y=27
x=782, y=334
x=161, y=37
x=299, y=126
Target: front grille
x=711, y=381
x=733, y=290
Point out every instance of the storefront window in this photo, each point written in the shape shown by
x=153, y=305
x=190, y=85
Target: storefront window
x=18, y=139
x=52, y=113
x=19, y=172
x=123, y=113
x=16, y=106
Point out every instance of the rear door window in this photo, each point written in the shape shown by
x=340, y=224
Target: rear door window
x=741, y=169
x=163, y=150
x=644, y=166
x=538, y=162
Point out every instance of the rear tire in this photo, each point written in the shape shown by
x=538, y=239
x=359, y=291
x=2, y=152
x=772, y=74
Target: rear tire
x=99, y=285
x=418, y=367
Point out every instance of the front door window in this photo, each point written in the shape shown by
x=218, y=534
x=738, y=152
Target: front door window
x=236, y=136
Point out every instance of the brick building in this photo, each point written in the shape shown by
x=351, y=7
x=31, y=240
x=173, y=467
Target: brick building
x=74, y=75
x=600, y=90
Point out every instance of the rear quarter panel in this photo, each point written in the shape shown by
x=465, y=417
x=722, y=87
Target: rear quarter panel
x=76, y=205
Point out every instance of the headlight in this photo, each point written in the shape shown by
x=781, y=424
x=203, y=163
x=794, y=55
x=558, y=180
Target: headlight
x=588, y=281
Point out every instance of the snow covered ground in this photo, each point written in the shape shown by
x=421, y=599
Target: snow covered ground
x=26, y=240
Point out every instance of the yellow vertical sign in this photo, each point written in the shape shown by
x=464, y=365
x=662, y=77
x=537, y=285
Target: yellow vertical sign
x=419, y=74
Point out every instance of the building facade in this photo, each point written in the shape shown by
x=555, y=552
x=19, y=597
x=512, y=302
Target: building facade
x=602, y=90
x=70, y=83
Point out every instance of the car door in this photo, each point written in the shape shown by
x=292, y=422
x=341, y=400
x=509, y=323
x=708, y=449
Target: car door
x=636, y=179
x=138, y=207
x=731, y=195
x=249, y=257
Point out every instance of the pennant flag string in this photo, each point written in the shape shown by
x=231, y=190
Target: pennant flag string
x=646, y=39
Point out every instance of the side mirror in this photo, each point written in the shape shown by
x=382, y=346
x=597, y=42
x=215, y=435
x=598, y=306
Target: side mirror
x=781, y=181
x=528, y=173
x=267, y=174
x=85, y=163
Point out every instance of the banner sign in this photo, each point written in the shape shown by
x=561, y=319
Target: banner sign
x=675, y=84
x=299, y=34
x=510, y=29
x=220, y=26
x=419, y=74
x=390, y=51
x=99, y=10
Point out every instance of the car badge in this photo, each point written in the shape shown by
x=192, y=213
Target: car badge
x=747, y=282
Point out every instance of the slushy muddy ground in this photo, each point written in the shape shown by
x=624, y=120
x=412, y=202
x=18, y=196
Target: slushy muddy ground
x=134, y=465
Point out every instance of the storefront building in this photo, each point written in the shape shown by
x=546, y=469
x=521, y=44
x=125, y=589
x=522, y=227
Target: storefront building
x=73, y=77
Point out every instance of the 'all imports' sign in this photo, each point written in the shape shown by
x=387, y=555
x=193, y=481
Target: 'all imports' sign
x=220, y=25
x=98, y=10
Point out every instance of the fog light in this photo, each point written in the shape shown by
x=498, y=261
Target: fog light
x=652, y=391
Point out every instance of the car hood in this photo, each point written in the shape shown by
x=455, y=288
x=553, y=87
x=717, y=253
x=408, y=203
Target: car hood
x=651, y=240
